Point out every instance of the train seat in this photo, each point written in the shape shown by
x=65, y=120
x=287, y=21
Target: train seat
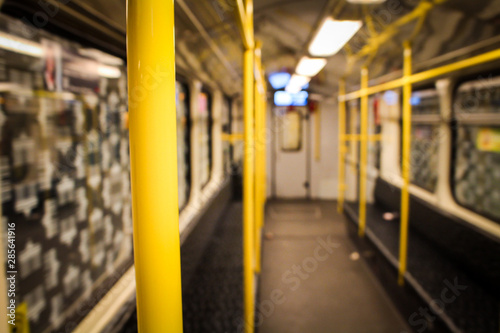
x=442, y=249
x=465, y=245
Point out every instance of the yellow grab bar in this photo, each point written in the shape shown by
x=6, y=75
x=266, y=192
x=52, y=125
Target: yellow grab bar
x=342, y=148
x=153, y=160
x=259, y=149
x=363, y=154
x=405, y=204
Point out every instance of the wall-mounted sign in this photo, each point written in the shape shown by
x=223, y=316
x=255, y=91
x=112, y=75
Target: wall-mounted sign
x=488, y=139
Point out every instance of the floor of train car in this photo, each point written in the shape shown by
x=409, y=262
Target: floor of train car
x=339, y=293
x=475, y=310
x=212, y=298
x=334, y=291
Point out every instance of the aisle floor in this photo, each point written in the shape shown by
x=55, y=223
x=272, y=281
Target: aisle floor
x=313, y=279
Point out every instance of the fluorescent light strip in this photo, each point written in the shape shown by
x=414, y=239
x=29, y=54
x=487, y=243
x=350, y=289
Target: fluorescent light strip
x=332, y=37
x=296, y=83
x=310, y=66
x=109, y=72
x=20, y=45
x=102, y=57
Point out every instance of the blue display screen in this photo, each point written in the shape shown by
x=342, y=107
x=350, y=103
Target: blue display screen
x=283, y=98
x=279, y=80
x=300, y=98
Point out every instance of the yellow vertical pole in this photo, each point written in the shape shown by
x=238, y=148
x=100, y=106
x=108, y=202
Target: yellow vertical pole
x=363, y=153
x=248, y=174
x=259, y=149
x=153, y=157
x=405, y=205
x=264, y=146
x=342, y=148
x=248, y=190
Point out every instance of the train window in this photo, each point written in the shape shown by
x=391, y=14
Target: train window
x=183, y=140
x=237, y=128
x=226, y=129
x=205, y=149
x=291, y=136
x=476, y=174
x=374, y=127
x=481, y=97
x=424, y=102
x=352, y=146
x=425, y=138
x=65, y=172
x=353, y=127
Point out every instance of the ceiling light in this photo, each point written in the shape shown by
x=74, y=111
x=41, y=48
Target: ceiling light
x=292, y=89
x=20, y=45
x=282, y=98
x=310, y=66
x=110, y=72
x=332, y=37
x=297, y=82
x=102, y=57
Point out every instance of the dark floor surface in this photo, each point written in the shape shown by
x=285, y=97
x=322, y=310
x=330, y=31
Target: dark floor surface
x=334, y=291
x=475, y=310
x=212, y=297
x=212, y=300
x=313, y=272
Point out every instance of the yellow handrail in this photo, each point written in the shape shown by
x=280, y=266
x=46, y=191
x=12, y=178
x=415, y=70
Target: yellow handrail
x=342, y=148
x=242, y=20
x=248, y=191
x=425, y=75
x=357, y=137
x=153, y=152
x=259, y=149
x=406, y=82
x=363, y=154
x=263, y=138
x=232, y=138
x=377, y=39
x=405, y=195
x=245, y=14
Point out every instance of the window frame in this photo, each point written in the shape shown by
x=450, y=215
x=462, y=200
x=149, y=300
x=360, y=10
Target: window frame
x=454, y=124
x=187, y=139
x=209, y=95
x=228, y=131
x=422, y=120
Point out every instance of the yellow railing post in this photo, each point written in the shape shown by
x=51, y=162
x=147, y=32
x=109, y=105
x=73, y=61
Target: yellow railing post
x=248, y=173
x=153, y=152
x=248, y=191
x=363, y=163
x=264, y=147
x=259, y=149
x=405, y=205
x=342, y=148
x=428, y=74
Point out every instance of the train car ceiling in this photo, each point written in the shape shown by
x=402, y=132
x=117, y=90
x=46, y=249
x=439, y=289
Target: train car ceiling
x=79, y=34
x=208, y=41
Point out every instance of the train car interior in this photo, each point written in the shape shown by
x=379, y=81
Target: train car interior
x=271, y=166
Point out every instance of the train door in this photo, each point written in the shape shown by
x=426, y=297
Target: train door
x=291, y=176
